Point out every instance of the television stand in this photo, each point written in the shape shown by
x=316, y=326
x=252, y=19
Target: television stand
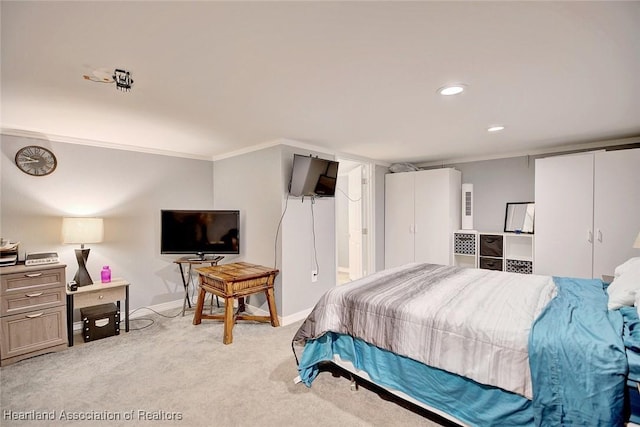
x=188, y=262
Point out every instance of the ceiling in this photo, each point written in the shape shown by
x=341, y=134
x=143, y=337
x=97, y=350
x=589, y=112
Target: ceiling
x=356, y=78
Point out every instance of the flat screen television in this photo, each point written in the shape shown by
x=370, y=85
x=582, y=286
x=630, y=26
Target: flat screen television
x=200, y=232
x=312, y=176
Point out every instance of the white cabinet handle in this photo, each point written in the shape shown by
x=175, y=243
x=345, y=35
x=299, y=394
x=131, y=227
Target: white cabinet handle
x=590, y=237
x=31, y=316
x=34, y=295
x=34, y=275
x=599, y=233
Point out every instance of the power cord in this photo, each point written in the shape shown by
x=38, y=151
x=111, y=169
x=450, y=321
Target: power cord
x=313, y=232
x=151, y=321
x=275, y=251
x=347, y=196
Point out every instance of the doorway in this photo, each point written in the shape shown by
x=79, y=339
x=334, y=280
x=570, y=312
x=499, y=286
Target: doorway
x=353, y=219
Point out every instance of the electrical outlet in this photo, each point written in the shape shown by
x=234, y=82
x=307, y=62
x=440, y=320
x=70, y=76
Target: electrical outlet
x=314, y=275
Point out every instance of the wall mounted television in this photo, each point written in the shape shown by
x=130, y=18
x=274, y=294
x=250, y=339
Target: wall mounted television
x=200, y=232
x=312, y=176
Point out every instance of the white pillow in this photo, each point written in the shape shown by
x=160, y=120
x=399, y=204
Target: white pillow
x=630, y=264
x=625, y=286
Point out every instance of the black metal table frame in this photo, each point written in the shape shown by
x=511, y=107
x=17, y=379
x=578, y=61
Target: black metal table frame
x=188, y=278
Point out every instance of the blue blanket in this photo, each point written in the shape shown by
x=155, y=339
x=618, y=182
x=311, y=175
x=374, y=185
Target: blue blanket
x=631, y=339
x=577, y=358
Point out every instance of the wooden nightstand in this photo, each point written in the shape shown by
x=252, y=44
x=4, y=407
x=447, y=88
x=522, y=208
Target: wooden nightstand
x=99, y=293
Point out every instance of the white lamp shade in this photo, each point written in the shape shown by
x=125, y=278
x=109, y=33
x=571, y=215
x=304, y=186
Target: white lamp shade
x=636, y=244
x=82, y=230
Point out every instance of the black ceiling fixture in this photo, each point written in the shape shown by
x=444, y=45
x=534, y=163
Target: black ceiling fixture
x=123, y=80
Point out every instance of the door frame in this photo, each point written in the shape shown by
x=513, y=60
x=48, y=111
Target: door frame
x=368, y=212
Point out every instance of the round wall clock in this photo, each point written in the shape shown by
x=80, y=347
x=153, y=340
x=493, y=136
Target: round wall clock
x=36, y=161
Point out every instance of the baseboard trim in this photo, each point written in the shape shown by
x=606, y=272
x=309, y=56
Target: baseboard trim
x=177, y=304
x=286, y=320
x=295, y=317
x=143, y=311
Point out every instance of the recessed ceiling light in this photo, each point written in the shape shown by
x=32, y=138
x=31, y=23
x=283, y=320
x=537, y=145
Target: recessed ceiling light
x=495, y=128
x=451, y=89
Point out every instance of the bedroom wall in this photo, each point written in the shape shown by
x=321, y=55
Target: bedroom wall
x=308, y=242
x=496, y=182
x=342, y=223
x=257, y=184
x=128, y=189
x=378, y=215
x=251, y=183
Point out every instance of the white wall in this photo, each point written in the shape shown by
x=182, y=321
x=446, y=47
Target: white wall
x=496, y=182
x=342, y=222
x=128, y=189
x=252, y=183
x=378, y=207
x=257, y=184
x=300, y=246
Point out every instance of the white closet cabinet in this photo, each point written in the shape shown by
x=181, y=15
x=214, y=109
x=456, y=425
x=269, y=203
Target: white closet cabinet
x=587, y=212
x=422, y=209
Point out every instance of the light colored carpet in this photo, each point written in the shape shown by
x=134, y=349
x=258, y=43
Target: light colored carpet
x=173, y=369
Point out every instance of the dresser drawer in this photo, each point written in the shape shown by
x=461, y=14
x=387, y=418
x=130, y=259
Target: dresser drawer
x=88, y=299
x=32, y=280
x=31, y=299
x=30, y=332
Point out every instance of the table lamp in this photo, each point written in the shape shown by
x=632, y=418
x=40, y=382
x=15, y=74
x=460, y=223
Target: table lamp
x=636, y=244
x=82, y=230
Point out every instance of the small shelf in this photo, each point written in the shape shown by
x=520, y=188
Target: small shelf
x=511, y=252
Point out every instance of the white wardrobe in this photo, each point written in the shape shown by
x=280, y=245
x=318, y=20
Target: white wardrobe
x=587, y=212
x=422, y=209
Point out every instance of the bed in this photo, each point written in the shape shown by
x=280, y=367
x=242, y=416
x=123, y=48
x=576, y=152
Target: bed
x=479, y=347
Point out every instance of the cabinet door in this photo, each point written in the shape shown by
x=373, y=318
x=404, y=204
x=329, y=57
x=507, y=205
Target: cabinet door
x=434, y=217
x=399, y=219
x=616, y=209
x=564, y=215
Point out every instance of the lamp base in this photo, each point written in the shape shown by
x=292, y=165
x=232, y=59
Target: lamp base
x=82, y=277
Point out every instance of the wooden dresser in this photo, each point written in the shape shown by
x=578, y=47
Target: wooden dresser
x=32, y=311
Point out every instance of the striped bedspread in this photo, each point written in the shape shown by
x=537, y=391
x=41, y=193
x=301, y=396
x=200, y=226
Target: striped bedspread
x=470, y=322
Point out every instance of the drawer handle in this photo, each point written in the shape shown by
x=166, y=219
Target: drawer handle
x=33, y=274
x=101, y=297
x=31, y=316
x=34, y=295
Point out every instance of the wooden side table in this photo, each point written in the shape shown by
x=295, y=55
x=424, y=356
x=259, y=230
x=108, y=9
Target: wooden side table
x=236, y=281
x=99, y=293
